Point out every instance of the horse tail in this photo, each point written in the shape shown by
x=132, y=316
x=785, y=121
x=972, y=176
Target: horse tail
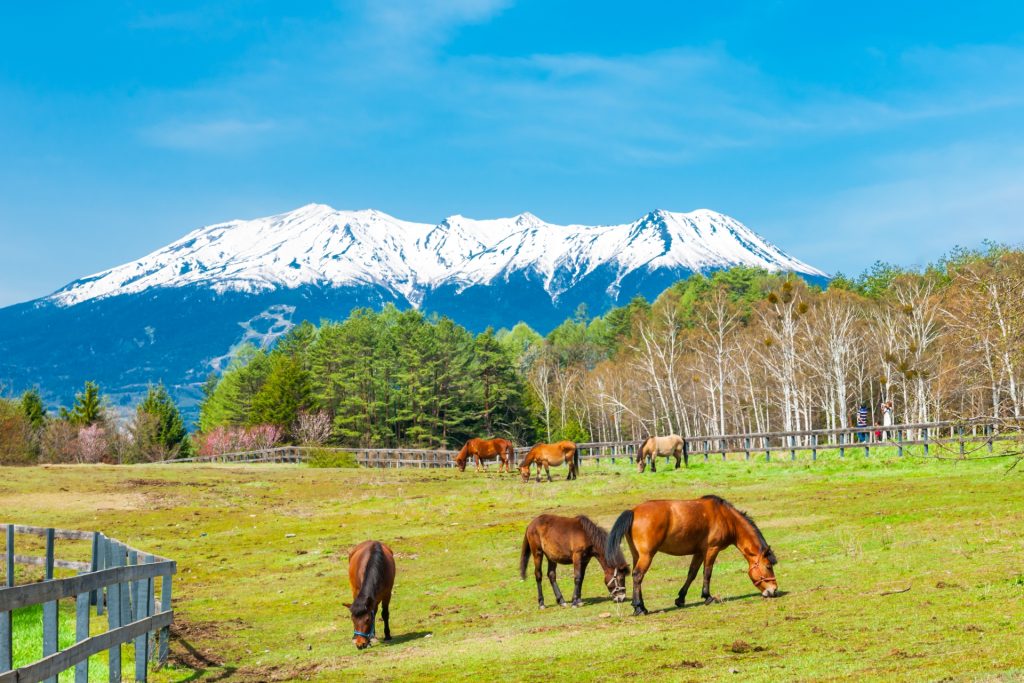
x=576, y=459
x=623, y=525
x=686, y=453
x=524, y=556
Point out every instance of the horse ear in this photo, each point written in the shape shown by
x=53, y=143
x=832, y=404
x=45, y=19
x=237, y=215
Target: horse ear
x=348, y=605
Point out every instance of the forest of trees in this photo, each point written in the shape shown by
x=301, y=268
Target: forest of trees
x=742, y=350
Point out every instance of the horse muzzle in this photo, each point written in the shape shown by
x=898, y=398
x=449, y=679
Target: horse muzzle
x=771, y=592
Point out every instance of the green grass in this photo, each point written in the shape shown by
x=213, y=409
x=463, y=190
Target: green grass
x=262, y=557
x=28, y=639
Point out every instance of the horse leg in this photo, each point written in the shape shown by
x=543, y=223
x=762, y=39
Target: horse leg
x=643, y=563
x=538, y=573
x=679, y=457
x=695, y=564
x=547, y=471
x=385, y=614
x=654, y=462
x=554, y=586
x=538, y=464
x=709, y=565
x=579, y=570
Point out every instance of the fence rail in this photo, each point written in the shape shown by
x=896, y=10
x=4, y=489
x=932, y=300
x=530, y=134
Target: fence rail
x=118, y=580
x=931, y=436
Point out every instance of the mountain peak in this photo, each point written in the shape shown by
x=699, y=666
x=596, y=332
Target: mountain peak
x=318, y=245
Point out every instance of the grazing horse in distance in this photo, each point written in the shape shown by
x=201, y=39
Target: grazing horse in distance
x=548, y=455
x=702, y=528
x=484, y=449
x=672, y=445
x=371, y=573
x=571, y=540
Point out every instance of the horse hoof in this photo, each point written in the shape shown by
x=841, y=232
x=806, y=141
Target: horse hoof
x=577, y=603
x=711, y=600
x=639, y=612
x=680, y=602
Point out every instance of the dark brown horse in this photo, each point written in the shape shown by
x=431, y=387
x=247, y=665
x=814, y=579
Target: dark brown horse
x=484, y=449
x=672, y=445
x=549, y=455
x=701, y=528
x=371, y=572
x=571, y=540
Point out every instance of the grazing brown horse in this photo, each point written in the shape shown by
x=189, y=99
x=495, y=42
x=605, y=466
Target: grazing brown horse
x=701, y=528
x=672, y=445
x=371, y=572
x=484, y=449
x=571, y=540
x=548, y=455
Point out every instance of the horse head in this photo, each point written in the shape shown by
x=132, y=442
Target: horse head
x=615, y=579
x=362, y=627
x=524, y=470
x=762, y=572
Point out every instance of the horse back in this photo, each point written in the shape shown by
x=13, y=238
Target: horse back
x=357, y=563
x=557, y=537
x=677, y=527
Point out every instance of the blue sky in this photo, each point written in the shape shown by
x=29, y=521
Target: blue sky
x=845, y=135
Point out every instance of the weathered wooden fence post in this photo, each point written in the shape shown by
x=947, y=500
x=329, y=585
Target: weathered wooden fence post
x=924, y=435
x=115, y=558
x=6, y=622
x=814, y=447
x=792, y=447
x=988, y=436
x=842, y=445
x=82, y=630
x=50, y=608
x=746, y=447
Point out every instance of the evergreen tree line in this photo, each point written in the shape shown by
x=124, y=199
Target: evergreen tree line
x=385, y=379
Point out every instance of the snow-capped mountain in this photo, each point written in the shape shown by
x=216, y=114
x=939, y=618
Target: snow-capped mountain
x=177, y=314
x=320, y=246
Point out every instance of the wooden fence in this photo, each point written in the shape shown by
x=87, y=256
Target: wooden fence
x=118, y=580
x=935, y=439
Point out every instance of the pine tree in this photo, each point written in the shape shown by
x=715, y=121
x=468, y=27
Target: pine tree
x=169, y=429
x=33, y=408
x=88, y=408
x=283, y=395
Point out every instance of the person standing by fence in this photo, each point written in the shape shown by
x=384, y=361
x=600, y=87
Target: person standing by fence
x=862, y=421
x=886, y=418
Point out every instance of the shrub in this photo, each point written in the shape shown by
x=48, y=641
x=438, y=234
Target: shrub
x=16, y=436
x=324, y=457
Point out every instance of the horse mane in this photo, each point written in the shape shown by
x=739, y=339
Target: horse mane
x=598, y=538
x=373, y=577
x=765, y=548
x=644, y=443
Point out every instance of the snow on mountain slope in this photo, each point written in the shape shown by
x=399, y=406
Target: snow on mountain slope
x=320, y=246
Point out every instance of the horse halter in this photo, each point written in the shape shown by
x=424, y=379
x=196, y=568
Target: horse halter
x=368, y=636
x=763, y=579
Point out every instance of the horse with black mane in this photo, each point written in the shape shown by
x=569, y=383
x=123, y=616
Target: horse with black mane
x=371, y=573
x=486, y=449
x=702, y=528
x=672, y=445
x=571, y=540
x=549, y=455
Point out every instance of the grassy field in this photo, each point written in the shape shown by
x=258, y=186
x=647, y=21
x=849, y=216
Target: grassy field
x=891, y=570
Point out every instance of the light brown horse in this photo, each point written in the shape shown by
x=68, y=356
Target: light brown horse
x=702, y=528
x=371, y=573
x=672, y=445
x=571, y=540
x=484, y=449
x=548, y=455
